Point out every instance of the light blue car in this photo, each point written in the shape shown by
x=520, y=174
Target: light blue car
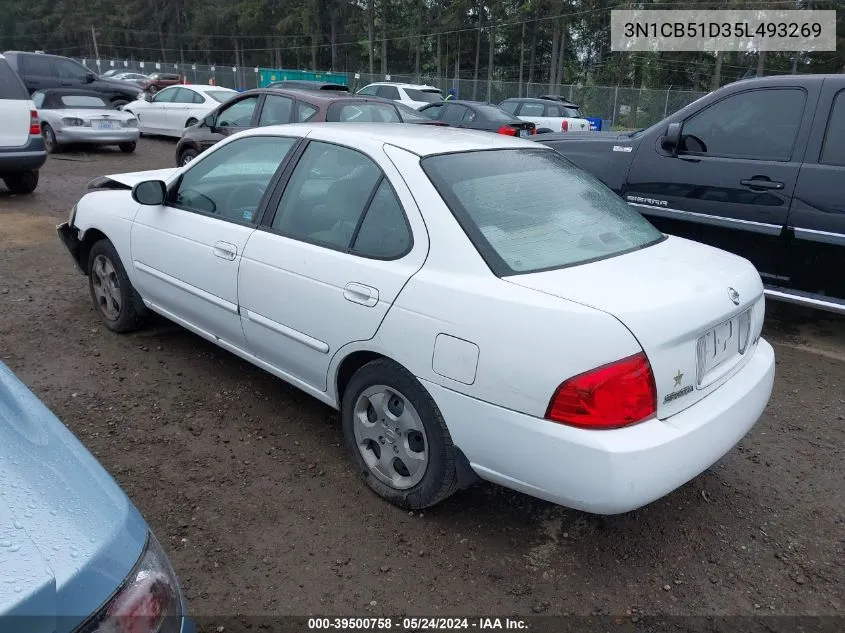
x=75, y=554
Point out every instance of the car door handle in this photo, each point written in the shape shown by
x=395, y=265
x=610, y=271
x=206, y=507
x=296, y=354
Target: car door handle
x=761, y=182
x=224, y=250
x=359, y=293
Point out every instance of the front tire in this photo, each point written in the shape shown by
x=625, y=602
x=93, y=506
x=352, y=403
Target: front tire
x=115, y=300
x=23, y=182
x=187, y=156
x=127, y=148
x=397, y=436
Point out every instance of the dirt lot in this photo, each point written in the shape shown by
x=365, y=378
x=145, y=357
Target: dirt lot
x=245, y=481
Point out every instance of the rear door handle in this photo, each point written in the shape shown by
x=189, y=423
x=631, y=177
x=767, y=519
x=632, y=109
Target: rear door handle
x=761, y=182
x=224, y=250
x=359, y=293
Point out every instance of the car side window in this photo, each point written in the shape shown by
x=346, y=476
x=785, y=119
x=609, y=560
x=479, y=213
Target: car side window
x=532, y=109
x=229, y=182
x=554, y=110
x=68, y=69
x=165, y=96
x=183, y=95
x=305, y=111
x=453, y=113
x=196, y=97
x=433, y=112
x=369, y=90
x=326, y=195
x=384, y=232
x=833, y=151
x=276, y=110
x=760, y=124
x=38, y=65
x=388, y=92
x=510, y=106
x=238, y=114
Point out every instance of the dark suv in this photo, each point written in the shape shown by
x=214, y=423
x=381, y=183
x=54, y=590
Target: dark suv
x=40, y=71
x=21, y=145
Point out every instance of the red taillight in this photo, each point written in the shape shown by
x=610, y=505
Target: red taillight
x=564, y=126
x=507, y=130
x=34, y=125
x=609, y=397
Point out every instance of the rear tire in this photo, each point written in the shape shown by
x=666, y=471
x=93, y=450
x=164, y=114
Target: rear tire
x=115, y=300
x=127, y=148
x=23, y=182
x=50, y=142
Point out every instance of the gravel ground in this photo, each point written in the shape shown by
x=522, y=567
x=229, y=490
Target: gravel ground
x=245, y=481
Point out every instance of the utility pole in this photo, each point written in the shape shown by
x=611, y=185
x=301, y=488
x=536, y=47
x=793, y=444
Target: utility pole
x=94, y=37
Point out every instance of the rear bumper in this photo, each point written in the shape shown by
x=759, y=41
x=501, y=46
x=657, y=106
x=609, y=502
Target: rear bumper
x=607, y=472
x=28, y=157
x=105, y=137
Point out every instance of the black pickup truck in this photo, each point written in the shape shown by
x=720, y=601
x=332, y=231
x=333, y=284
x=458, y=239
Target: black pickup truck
x=756, y=168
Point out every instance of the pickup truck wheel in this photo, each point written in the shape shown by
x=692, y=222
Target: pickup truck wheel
x=23, y=182
x=127, y=148
x=50, y=142
x=114, y=298
x=397, y=437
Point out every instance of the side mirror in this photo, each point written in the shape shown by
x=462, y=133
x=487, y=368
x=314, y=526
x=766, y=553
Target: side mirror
x=209, y=121
x=672, y=138
x=89, y=78
x=150, y=192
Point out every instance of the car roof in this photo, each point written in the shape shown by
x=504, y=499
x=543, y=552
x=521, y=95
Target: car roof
x=318, y=96
x=399, y=84
x=422, y=140
x=200, y=87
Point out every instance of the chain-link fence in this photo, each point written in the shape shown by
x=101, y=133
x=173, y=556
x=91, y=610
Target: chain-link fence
x=617, y=106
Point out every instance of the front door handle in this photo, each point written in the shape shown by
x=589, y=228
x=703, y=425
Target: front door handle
x=224, y=250
x=359, y=293
x=761, y=182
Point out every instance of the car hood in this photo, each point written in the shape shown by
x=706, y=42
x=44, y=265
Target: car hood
x=68, y=534
x=131, y=179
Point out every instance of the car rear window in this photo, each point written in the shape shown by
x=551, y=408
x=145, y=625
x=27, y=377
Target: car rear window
x=429, y=96
x=11, y=86
x=221, y=96
x=530, y=210
x=363, y=113
x=83, y=101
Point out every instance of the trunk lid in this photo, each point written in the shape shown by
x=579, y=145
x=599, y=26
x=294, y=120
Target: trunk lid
x=671, y=296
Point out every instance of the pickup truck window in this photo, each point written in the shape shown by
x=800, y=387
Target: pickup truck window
x=833, y=152
x=532, y=210
x=760, y=124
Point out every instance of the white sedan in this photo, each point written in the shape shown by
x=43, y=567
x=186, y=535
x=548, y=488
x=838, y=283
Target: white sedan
x=170, y=111
x=474, y=305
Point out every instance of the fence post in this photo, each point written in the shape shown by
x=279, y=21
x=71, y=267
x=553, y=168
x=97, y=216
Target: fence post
x=613, y=116
x=666, y=107
x=571, y=86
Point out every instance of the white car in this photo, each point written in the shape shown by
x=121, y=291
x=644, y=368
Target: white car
x=171, y=110
x=548, y=115
x=21, y=145
x=473, y=304
x=413, y=95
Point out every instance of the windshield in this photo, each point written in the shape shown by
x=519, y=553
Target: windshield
x=221, y=96
x=529, y=210
x=83, y=101
x=428, y=96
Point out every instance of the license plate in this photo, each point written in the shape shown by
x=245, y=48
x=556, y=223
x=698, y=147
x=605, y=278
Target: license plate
x=106, y=125
x=721, y=343
x=523, y=132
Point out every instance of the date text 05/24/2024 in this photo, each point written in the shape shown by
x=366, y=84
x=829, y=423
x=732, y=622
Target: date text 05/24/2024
x=415, y=624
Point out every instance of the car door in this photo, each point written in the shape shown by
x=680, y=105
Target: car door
x=71, y=74
x=730, y=181
x=154, y=116
x=235, y=116
x=455, y=114
x=816, y=255
x=337, y=245
x=275, y=110
x=186, y=253
x=178, y=111
x=37, y=71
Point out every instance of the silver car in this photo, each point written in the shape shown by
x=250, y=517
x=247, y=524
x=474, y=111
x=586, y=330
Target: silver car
x=81, y=116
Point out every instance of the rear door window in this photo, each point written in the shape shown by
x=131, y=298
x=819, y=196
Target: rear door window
x=453, y=113
x=37, y=65
x=11, y=86
x=833, y=152
x=388, y=92
x=276, y=110
x=510, y=106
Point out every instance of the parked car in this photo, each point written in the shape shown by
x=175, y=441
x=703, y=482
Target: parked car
x=171, y=110
x=112, y=73
x=21, y=146
x=268, y=106
x=83, y=116
x=41, y=71
x=301, y=84
x=412, y=115
x=136, y=78
x=412, y=95
x=157, y=81
x=473, y=304
x=755, y=167
x=476, y=115
x=76, y=554
x=547, y=114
